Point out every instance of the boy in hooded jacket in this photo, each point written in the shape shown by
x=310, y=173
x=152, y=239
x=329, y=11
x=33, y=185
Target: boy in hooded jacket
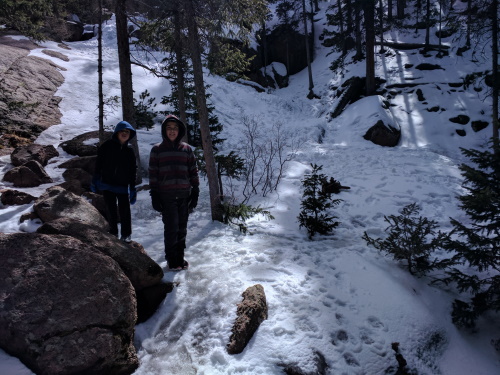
x=115, y=175
x=174, y=181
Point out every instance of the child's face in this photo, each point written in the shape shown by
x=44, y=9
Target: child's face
x=123, y=135
x=172, y=131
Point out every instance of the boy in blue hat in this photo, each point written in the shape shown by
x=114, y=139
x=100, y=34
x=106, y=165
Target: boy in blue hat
x=115, y=174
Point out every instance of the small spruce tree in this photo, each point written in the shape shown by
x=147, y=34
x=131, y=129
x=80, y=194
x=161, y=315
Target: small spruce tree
x=144, y=111
x=477, y=243
x=411, y=238
x=316, y=203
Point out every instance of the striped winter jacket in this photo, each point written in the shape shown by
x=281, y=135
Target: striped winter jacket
x=172, y=166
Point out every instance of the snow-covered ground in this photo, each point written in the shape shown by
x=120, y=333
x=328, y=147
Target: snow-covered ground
x=333, y=295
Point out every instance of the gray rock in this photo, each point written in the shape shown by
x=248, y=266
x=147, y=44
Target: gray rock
x=383, y=135
x=65, y=308
x=57, y=203
x=28, y=104
x=30, y=174
x=78, y=174
x=86, y=163
x=138, y=266
x=15, y=197
x=42, y=154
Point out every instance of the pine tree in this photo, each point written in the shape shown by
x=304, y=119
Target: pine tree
x=316, y=203
x=477, y=243
x=26, y=16
x=411, y=238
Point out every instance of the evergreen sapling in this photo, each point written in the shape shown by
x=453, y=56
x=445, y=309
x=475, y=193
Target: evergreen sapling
x=411, y=238
x=316, y=203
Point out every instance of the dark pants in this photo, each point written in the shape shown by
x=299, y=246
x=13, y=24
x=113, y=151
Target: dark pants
x=175, y=219
x=112, y=210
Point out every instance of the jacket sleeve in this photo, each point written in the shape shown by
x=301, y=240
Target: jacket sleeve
x=153, y=168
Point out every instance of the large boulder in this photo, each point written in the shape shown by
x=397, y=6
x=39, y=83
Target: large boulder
x=39, y=153
x=58, y=202
x=30, y=174
x=383, y=135
x=132, y=258
x=65, y=307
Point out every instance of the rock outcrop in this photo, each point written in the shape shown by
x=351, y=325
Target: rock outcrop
x=28, y=104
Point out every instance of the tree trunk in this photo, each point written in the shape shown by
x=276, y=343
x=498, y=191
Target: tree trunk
x=215, y=198
x=99, y=75
x=308, y=52
x=180, y=71
x=381, y=20
x=494, y=50
x=126, y=75
x=359, y=36
x=341, y=26
x=469, y=22
x=401, y=5
x=369, y=12
x=427, y=24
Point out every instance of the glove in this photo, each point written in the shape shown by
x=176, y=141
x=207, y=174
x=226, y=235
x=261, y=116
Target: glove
x=94, y=184
x=133, y=195
x=156, y=201
x=193, y=198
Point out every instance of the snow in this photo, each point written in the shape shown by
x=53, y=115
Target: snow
x=334, y=294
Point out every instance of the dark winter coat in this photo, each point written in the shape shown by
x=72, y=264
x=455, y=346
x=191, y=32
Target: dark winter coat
x=116, y=164
x=172, y=165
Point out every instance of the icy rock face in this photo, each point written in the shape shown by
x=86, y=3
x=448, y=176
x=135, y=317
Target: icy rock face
x=65, y=307
x=29, y=83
